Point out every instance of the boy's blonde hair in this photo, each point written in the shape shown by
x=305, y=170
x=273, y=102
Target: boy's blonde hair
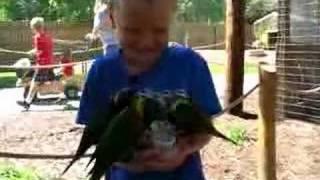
x=37, y=23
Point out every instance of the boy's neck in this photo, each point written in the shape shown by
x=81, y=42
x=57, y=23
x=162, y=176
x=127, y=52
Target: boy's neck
x=135, y=68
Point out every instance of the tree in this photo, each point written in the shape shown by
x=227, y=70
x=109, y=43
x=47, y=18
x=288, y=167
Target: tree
x=235, y=43
x=235, y=53
x=201, y=10
x=23, y=9
x=64, y=10
x=256, y=9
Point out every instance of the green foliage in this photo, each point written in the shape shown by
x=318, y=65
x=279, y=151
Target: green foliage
x=62, y=10
x=237, y=134
x=81, y=10
x=201, y=11
x=12, y=172
x=256, y=9
x=7, y=80
x=4, y=10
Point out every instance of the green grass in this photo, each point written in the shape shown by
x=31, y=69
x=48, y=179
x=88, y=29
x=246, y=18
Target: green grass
x=220, y=69
x=7, y=80
x=238, y=134
x=13, y=172
x=235, y=132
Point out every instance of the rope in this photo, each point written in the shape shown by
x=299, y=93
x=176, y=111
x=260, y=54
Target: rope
x=77, y=52
x=236, y=102
x=48, y=156
x=38, y=156
x=13, y=51
x=70, y=42
x=100, y=48
x=208, y=46
x=45, y=66
x=95, y=49
x=56, y=53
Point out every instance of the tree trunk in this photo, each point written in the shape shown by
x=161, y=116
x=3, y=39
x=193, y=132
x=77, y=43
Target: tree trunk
x=235, y=39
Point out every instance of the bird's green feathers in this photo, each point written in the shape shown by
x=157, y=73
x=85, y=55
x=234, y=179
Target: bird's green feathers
x=116, y=132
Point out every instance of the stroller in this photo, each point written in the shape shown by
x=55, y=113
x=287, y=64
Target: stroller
x=56, y=92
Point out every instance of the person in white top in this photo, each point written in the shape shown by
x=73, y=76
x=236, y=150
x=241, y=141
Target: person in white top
x=103, y=27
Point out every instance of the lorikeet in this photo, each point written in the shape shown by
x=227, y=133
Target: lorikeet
x=188, y=118
x=119, y=141
x=99, y=123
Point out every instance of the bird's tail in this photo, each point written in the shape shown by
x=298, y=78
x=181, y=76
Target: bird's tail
x=69, y=165
x=90, y=161
x=85, y=144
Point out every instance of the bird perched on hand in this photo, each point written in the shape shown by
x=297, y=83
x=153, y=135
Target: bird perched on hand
x=116, y=133
x=97, y=126
x=119, y=141
x=188, y=119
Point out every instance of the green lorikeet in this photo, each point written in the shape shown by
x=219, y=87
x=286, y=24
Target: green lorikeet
x=116, y=133
x=99, y=123
x=188, y=118
x=120, y=140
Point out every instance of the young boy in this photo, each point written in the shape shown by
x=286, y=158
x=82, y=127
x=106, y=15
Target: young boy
x=43, y=52
x=146, y=61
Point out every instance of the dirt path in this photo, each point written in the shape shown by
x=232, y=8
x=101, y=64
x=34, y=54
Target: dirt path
x=53, y=132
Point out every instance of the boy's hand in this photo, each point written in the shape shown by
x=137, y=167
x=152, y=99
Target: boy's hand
x=157, y=160
x=154, y=160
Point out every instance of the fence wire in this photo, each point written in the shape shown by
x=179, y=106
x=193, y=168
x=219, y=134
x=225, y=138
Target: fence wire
x=298, y=59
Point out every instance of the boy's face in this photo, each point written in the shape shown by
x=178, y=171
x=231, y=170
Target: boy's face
x=143, y=27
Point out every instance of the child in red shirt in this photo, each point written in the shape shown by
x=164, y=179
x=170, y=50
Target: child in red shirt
x=43, y=51
x=67, y=71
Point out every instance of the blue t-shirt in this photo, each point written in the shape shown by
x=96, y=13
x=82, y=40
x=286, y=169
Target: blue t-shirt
x=178, y=68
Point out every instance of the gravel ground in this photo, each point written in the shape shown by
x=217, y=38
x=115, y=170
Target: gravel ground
x=298, y=146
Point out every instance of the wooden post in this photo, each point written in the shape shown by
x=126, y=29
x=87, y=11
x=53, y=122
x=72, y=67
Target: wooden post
x=235, y=53
x=266, y=128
